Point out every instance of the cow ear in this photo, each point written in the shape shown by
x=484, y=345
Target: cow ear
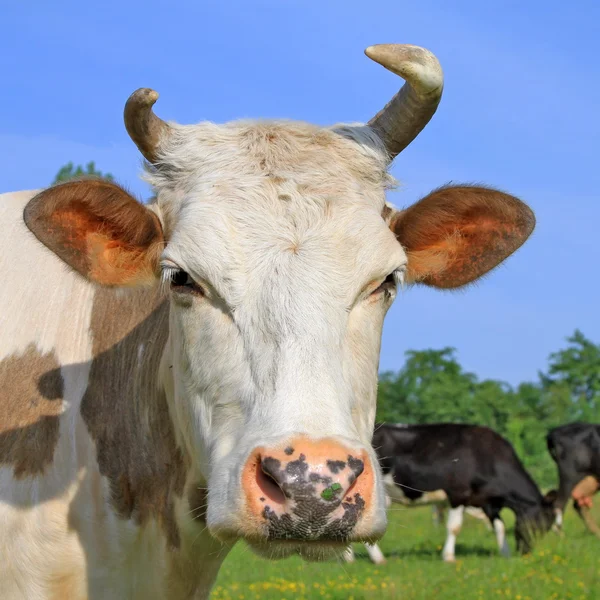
x=456, y=234
x=98, y=229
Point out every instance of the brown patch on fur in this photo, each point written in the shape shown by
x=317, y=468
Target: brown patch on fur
x=457, y=234
x=198, y=502
x=31, y=401
x=126, y=410
x=98, y=229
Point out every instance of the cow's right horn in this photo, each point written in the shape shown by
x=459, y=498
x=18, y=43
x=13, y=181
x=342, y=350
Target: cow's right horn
x=403, y=118
x=143, y=126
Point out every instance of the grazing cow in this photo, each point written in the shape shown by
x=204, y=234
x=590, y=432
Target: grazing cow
x=438, y=500
x=464, y=465
x=575, y=448
x=180, y=375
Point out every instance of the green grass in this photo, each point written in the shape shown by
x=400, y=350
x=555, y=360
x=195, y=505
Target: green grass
x=559, y=568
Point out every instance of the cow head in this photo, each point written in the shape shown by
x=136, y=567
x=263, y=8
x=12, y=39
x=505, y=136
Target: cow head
x=280, y=259
x=534, y=522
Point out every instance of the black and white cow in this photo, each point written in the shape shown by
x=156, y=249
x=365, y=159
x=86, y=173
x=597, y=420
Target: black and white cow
x=466, y=466
x=575, y=448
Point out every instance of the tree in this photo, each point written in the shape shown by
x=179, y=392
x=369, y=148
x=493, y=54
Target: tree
x=69, y=171
x=573, y=380
x=431, y=386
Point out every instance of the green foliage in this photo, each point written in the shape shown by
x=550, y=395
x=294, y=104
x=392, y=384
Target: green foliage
x=433, y=387
x=69, y=171
x=575, y=371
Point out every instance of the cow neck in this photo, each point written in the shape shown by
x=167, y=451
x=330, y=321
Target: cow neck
x=125, y=408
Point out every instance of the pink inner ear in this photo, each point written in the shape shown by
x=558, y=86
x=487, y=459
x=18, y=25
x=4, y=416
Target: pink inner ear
x=98, y=229
x=114, y=263
x=456, y=235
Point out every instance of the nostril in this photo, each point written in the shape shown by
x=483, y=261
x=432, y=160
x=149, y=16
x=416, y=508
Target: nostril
x=267, y=470
x=271, y=467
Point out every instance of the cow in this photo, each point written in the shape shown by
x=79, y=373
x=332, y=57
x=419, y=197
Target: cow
x=575, y=447
x=181, y=374
x=466, y=466
x=438, y=500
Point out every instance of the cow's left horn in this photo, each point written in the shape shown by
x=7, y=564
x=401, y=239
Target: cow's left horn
x=403, y=118
x=143, y=126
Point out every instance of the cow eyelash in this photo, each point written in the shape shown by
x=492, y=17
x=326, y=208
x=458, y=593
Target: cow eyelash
x=180, y=281
x=392, y=281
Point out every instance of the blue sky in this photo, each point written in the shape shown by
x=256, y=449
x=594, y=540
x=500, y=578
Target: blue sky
x=520, y=112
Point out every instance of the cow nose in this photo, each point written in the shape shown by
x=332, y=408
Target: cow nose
x=308, y=490
x=335, y=476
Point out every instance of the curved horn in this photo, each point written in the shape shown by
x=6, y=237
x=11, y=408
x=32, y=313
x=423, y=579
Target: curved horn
x=403, y=118
x=143, y=126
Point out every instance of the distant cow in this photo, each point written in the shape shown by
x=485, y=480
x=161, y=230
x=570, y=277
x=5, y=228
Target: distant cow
x=473, y=465
x=576, y=450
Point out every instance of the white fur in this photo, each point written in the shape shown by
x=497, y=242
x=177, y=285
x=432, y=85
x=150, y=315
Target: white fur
x=500, y=530
x=453, y=527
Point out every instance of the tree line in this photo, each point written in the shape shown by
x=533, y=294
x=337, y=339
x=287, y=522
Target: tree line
x=433, y=387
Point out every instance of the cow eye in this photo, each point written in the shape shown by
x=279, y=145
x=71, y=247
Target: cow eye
x=388, y=285
x=181, y=281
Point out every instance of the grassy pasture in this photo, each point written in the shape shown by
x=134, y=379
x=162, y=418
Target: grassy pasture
x=559, y=568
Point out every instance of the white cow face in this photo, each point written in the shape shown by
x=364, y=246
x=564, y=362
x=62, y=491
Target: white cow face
x=279, y=282
x=280, y=260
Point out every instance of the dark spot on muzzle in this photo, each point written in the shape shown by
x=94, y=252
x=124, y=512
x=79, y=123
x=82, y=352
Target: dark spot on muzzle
x=297, y=468
x=356, y=465
x=289, y=451
x=335, y=466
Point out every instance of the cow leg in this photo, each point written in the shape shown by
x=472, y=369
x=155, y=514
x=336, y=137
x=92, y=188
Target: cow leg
x=453, y=525
x=375, y=554
x=492, y=512
x=586, y=516
x=437, y=514
x=567, y=483
x=348, y=555
x=558, y=521
x=500, y=531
